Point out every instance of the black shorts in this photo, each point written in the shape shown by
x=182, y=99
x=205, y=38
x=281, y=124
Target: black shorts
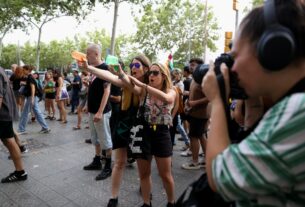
x=161, y=144
x=184, y=117
x=197, y=127
x=50, y=95
x=6, y=129
x=120, y=141
x=121, y=129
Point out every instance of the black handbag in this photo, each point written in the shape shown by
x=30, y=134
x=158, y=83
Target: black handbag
x=200, y=194
x=125, y=122
x=139, y=139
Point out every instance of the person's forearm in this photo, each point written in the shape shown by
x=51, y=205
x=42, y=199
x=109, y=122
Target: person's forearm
x=129, y=85
x=218, y=139
x=1, y=99
x=104, y=100
x=32, y=90
x=106, y=75
x=115, y=99
x=199, y=102
x=176, y=106
x=160, y=94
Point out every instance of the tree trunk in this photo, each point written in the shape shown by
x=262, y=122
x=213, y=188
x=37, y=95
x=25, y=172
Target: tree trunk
x=38, y=48
x=1, y=41
x=115, y=18
x=205, y=43
x=1, y=46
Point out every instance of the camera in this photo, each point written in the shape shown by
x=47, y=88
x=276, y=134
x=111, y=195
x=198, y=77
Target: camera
x=236, y=92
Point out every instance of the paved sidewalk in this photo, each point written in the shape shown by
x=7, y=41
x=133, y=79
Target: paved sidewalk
x=56, y=177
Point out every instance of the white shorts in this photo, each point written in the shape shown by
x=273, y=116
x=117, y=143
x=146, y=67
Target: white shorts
x=100, y=131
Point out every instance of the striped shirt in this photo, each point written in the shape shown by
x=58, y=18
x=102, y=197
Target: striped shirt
x=268, y=167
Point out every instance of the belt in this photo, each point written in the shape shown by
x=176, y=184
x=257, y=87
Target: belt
x=155, y=126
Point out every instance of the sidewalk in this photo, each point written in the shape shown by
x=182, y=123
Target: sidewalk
x=56, y=177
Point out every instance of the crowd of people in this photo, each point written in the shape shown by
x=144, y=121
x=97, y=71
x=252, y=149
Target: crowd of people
x=262, y=165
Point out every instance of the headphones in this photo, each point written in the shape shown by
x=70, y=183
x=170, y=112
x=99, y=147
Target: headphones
x=276, y=48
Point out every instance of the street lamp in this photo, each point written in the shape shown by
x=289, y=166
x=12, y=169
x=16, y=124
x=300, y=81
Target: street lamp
x=235, y=8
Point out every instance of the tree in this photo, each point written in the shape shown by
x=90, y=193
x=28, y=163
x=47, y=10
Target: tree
x=39, y=12
x=257, y=2
x=45, y=11
x=57, y=54
x=9, y=19
x=177, y=26
x=115, y=17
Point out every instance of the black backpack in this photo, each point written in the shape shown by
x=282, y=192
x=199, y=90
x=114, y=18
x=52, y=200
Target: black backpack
x=199, y=193
x=39, y=91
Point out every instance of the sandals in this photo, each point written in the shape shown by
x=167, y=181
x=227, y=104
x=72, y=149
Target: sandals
x=76, y=128
x=50, y=118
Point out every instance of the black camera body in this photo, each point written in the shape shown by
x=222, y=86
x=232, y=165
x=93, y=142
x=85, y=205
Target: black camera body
x=236, y=92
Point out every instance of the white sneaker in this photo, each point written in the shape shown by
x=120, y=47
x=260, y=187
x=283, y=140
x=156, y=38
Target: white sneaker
x=20, y=133
x=191, y=166
x=186, y=153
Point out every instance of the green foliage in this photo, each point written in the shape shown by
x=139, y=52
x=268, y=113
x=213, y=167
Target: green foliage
x=257, y=2
x=13, y=13
x=57, y=54
x=25, y=13
x=27, y=53
x=9, y=56
x=177, y=26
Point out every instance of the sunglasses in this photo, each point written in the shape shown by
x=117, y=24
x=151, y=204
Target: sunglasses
x=136, y=65
x=154, y=72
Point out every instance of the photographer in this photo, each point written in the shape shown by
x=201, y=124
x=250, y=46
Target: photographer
x=267, y=168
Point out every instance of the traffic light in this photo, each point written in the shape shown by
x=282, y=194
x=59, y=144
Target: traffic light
x=228, y=40
x=235, y=5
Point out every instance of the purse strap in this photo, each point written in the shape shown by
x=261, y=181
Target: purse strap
x=142, y=107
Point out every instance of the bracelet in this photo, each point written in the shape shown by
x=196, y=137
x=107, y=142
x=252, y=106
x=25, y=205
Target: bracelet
x=121, y=75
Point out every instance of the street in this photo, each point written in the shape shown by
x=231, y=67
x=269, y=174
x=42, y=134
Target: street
x=56, y=177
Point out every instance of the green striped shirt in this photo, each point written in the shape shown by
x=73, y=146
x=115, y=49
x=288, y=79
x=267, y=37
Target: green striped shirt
x=268, y=167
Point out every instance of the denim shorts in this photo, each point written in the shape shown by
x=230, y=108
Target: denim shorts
x=100, y=131
x=82, y=102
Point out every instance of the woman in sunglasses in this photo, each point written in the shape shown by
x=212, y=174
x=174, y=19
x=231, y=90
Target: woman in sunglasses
x=129, y=106
x=158, y=98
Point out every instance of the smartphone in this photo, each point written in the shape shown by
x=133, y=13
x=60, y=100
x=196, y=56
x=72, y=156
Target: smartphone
x=113, y=60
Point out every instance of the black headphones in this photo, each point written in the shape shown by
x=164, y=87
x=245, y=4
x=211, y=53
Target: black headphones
x=276, y=47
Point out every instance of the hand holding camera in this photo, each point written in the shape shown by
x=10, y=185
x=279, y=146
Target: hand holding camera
x=235, y=91
x=210, y=83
